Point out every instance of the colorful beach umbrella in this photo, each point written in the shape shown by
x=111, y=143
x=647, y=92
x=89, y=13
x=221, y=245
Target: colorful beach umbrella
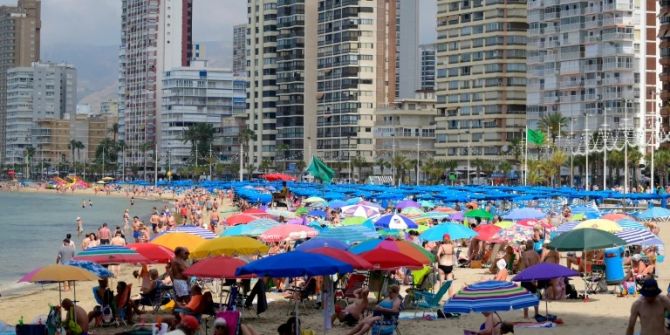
x=357, y=262
x=395, y=221
x=311, y=200
x=288, y=232
x=295, y=264
x=447, y=210
x=253, y=228
x=486, y=232
x=456, y=231
x=353, y=220
x=514, y=234
x=654, y=213
x=436, y=215
x=320, y=242
x=457, y=216
x=585, y=239
x=412, y=212
x=427, y=204
x=237, y=219
x=490, y=296
x=532, y=223
x=278, y=177
x=111, y=254
x=601, y=224
x=257, y=212
x=216, y=267
x=92, y=267
x=317, y=213
x=478, y=213
x=174, y=240
x=407, y=203
x=616, y=216
x=337, y=204
x=504, y=224
x=58, y=273
x=627, y=224
x=153, y=252
x=639, y=236
x=276, y=212
x=229, y=246
x=349, y=234
x=524, y=213
x=193, y=230
x=363, y=210
x=379, y=247
x=544, y=271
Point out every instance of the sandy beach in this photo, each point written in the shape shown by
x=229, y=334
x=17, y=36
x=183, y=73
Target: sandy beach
x=603, y=314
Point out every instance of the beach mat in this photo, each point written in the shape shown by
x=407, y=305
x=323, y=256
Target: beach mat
x=408, y=315
x=547, y=324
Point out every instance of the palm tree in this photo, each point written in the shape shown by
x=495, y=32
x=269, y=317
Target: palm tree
x=200, y=135
x=382, y=164
x=401, y=165
x=535, y=177
x=266, y=165
x=121, y=147
x=145, y=147
x=246, y=135
x=515, y=149
x=556, y=161
x=73, y=146
x=553, y=123
x=29, y=153
x=505, y=167
x=114, y=130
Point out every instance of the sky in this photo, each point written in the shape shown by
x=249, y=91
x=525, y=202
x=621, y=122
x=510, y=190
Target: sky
x=97, y=22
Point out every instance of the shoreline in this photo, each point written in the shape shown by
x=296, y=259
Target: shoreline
x=168, y=196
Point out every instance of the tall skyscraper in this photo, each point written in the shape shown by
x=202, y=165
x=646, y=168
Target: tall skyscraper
x=261, y=58
x=39, y=92
x=587, y=58
x=296, y=80
x=664, y=59
x=156, y=36
x=407, y=63
x=239, y=50
x=481, y=78
x=356, y=74
x=20, y=27
x=428, y=63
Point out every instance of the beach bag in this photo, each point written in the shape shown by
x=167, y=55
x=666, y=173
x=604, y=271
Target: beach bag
x=72, y=325
x=475, y=264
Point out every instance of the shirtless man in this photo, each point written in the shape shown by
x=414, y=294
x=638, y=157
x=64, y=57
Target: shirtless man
x=353, y=312
x=80, y=316
x=529, y=258
x=80, y=225
x=179, y=279
x=445, y=256
x=650, y=308
x=154, y=220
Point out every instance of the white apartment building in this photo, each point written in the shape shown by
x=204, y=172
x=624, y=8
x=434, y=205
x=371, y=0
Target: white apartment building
x=43, y=91
x=196, y=94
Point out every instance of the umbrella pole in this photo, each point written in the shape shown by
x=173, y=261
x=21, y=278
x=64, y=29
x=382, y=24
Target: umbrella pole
x=60, y=298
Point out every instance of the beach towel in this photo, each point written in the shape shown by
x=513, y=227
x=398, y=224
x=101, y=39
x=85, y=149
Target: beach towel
x=547, y=324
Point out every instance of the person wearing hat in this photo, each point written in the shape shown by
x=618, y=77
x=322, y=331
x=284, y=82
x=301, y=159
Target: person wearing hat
x=650, y=308
x=188, y=325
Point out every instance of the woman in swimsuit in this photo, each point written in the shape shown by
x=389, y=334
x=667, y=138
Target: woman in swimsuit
x=386, y=308
x=445, y=256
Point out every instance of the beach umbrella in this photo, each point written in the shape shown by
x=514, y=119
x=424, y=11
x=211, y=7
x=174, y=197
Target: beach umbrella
x=317, y=213
x=349, y=234
x=407, y=203
x=357, y=262
x=353, y=220
x=229, y=246
x=278, y=177
x=236, y=219
x=524, y=213
x=386, y=253
x=92, y=267
x=447, y=210
x=532, y=223
x=616, y=216
x=514, y=233
x=257, y=212
x=216, y=267
x=295, y=264
x=111, y=254
x=395, y=221
x=486, y=232
x=393, y=233
x=490, y=296
x=59, y=273
x=362, y=210
x=174, y=240
x=301, y=211
x=412, y=212
x=566, y=227
x=654, y=213
x=193, y=230
x=544, y=271
x=478, y=213
x=455, y=230
x=627, y=224
x=436, y=215
x=639, y=236
x=276, y=212
x=337, y=204
x=288, y=231
x=457, y=216
x=504, y=224
x=602, y=224
x=311, y=200
x=153, y=252
x=427, y=204
x=253, y=228
x=585, y=239
x=320, y=242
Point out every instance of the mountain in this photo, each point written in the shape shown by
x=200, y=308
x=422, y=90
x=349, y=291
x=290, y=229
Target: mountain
x=97, y=66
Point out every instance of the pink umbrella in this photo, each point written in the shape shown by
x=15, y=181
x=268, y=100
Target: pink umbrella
x=288, y=231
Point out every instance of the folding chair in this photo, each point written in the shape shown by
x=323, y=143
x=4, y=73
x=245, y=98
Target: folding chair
x=355, y=282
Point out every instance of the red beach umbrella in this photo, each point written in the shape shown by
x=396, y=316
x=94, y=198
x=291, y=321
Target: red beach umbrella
x=154, y=252
x=236, y=219
x=216, y=267
x=487, y=232
x=356, y=261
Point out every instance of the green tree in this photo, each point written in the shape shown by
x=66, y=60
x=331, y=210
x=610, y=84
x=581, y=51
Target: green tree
x=29, y=153
x=114, y=130
x=505, y=167
x=266, y=165
x=246, y=136
x=401, y=164
x=553, y=123
x=381, y=163
x=282, y=156
x=201, y=136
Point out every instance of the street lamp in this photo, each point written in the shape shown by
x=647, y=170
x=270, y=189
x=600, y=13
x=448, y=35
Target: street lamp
x=469, y=149
x=418, y=157
x=586, y=148
x=349, y=156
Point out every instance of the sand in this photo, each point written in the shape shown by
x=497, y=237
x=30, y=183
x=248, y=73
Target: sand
x=603, y=314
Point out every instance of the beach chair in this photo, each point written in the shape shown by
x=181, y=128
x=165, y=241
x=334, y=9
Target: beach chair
x=232, y=320
x=389, y=324
x=159, y=296
x=123, y=305
x=355, y=282
x=104, y=308
x=429, y=301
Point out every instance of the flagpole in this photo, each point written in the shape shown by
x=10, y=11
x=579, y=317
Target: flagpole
x=525, y=164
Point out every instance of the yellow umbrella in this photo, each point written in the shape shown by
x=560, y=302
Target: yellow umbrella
x=229, y=246
x=602, y=224
x=59, y=273
x=577, y=217
x=504, y=224
x=174, y=240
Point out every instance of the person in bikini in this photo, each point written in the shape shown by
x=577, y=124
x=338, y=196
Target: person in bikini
x=445, y=256
x=351, y=314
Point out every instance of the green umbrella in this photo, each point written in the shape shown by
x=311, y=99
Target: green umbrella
x=585, y=239
x=353, y=220
x=301, y=211
x=478, y=213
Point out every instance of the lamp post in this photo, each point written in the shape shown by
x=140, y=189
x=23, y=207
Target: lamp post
x=604, y=136
x=156, y=164
x=625, y=147
x=653, y=139
x=393, y=156
x=418, y=157
x=349, y=157
x=572, y=153
x=469, y=149
x=586, y=149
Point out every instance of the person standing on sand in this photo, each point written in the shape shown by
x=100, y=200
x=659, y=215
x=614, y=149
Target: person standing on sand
x=650, y=308
x=179, y=279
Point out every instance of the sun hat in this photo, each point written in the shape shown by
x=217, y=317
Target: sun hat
x=190, y=322
x=650, y=288
x=501, y=264
x=220, y=322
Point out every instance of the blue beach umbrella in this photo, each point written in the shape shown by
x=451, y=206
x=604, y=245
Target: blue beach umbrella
x=193, y=230
x=336, y=204
x=456, y=232
x=317, y=213
x=654, y=213
x=524, y=213
x=490, y=296
x=320, y=242
x=395, y=221
x=349, y=234
x=96, y=268
x=253, y=228
x=295, y=264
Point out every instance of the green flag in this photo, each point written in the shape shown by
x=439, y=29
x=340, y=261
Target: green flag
x=319, y=170
x=535, y=136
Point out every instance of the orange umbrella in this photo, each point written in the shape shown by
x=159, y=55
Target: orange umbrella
x=616, y=217
x=236, y=219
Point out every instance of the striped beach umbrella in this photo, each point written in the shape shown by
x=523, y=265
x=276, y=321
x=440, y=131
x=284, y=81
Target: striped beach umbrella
x=490, y=296
x=395, y=221
x=288, y=232
x=253, y=228
x=96, y=268
x=637, y=236
x=193, y=230
x=349, y=234
x=524, y=213
x=363, y=210
x=111, y=254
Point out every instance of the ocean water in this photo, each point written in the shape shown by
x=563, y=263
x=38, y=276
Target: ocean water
x=33, y=225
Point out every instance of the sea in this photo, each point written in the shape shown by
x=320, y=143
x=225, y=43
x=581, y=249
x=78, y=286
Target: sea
x=33, y=226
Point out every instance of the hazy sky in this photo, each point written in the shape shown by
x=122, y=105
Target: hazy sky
x=97, y=22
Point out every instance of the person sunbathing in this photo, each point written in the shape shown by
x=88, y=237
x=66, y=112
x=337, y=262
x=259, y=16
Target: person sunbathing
x=351, y=314
x=493, y=325
x=638, y=269
x=387, y=308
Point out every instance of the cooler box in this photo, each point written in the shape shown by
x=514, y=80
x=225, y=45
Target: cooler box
x=614, y=265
